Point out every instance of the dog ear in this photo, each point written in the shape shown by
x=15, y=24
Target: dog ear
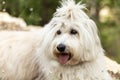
x=90, y=40
x=95, y=34
x=92, y=28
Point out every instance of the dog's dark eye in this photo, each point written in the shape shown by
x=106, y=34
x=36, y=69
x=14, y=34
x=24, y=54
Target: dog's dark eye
x=73, y=32
x=58, y=32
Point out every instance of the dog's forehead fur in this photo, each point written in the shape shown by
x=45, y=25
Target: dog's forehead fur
x=71, y=11
x=72, y=14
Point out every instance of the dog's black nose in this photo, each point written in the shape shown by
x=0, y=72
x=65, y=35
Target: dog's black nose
x=61, y=47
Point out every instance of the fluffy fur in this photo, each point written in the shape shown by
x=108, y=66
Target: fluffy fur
x=35, y=56
x=18, y=59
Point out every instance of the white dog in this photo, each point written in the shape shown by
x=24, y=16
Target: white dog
x=67, y=48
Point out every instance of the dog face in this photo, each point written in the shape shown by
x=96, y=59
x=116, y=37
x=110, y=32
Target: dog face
x=65, y=45
x=71, y=37
x=71, y=42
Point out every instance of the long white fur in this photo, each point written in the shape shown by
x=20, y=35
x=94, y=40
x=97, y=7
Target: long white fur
x=17, y=56
x=29, y=55
x=90, y=52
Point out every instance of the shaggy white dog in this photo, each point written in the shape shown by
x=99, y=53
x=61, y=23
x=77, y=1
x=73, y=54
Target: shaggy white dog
x=71, y=47
x=67, y=48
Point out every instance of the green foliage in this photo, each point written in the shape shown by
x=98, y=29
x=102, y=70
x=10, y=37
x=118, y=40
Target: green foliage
x=110, y=37
x=36, y=12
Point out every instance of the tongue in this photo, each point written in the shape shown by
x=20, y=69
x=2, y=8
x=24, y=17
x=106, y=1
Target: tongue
x=63, y=59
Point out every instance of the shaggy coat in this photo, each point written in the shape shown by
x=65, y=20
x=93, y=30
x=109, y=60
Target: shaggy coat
x=67, y=48
x=18, y=59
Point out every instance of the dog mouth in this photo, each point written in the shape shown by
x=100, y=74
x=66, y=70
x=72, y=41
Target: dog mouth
x=63, y=58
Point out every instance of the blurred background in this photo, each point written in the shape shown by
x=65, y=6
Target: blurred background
x=106, y=14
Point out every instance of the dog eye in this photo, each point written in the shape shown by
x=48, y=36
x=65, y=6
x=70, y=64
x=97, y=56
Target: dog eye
x=58, y=32
x=73, y=31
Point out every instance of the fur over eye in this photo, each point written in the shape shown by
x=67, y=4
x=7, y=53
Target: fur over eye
x=58, y=32
x=73, y=32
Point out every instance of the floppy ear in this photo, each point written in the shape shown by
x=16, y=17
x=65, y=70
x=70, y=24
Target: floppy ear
x=96, y=38
x=93, y=31
x=90, y=40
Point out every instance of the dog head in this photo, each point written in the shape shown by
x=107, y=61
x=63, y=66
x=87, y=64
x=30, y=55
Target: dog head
x=71, y=36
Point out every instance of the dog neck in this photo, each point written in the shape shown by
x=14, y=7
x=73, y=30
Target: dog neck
x=55, y=71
